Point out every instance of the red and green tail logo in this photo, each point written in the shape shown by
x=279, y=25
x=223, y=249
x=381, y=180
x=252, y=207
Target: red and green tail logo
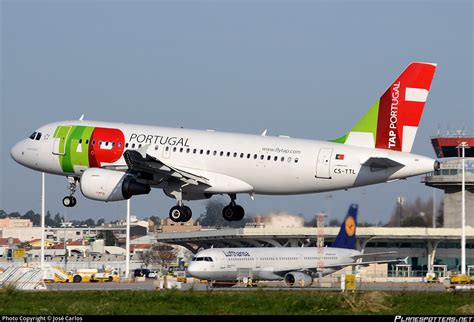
x=391, y=123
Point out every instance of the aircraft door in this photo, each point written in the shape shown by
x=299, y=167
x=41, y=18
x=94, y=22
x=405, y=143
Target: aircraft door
x=60, y=138
x=323, y=169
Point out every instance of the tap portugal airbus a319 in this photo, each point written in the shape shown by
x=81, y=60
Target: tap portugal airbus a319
x=115, y=161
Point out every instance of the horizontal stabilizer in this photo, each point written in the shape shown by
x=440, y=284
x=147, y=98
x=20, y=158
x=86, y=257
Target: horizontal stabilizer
x=376, y=164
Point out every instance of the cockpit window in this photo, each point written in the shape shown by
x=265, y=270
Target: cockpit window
x=38, y=136
x=202, y=259
x=32, y=136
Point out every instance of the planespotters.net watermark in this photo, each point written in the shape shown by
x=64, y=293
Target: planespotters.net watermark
x=400, y=318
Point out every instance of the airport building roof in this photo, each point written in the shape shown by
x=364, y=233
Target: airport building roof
x=304, y=236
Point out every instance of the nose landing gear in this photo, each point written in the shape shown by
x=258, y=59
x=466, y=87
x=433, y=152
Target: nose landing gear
x=70, y=201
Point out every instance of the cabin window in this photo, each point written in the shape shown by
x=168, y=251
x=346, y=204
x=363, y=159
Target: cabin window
x=201, y=151
x=181, y=149
x=87, y=142
x=222, y=153
x=235, y=154
x=174, y=149
x=289, y=159
x=296, y=160
x=269, y=157
x=188, y=150
x=254, y=156
x=215, y=153
x=139, y=146
x=106, y=143
x=248, y=155
x=282, y=159
x=208, y=152
x=194, y=151
x=119, y=144
x=261, y=157
x=275, y=159
x=241, y=155
x=156, y=147
x=167, y=148
x=80, y=141
x=133, y=145
x=93, y=142
x=228, y=154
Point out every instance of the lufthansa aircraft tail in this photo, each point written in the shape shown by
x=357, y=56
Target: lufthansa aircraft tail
x=347, y=234
x=391, y=123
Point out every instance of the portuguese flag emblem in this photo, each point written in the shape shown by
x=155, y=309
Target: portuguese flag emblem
x=339, y=156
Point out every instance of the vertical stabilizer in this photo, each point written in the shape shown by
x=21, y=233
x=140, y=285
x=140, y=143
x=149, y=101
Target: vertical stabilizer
x=391, y=123
x=347, y=234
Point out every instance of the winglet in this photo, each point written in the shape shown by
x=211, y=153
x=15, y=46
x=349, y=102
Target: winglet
x=81, y=118
x=264, y=133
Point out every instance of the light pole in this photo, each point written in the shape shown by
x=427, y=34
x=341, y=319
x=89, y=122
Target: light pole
x=127, y=243
x=43, y=192
x=463, y=146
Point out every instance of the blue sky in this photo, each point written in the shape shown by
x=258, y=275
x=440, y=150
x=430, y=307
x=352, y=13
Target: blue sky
x=305, y=69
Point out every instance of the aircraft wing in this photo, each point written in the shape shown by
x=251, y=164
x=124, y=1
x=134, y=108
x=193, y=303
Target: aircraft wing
x=342, y=265
x=138, y=163
x=313, y=270
x=373, y=254
x=376, y=164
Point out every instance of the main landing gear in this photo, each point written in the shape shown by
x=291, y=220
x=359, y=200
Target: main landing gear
x=180, y=212
x=70, y=201
x=233, y=212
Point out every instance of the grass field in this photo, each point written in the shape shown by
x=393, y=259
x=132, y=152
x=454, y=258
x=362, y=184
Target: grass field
x=250, y=303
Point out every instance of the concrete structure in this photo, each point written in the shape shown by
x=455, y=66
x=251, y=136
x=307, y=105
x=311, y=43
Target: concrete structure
x=448, y=179
x=23, y=234
x=424, y=246
x=169, y=226
x=15, y=223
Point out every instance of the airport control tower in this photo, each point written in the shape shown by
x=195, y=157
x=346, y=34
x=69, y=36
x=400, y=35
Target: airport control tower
x=449, y=177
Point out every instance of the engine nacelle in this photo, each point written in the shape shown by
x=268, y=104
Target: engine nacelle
x=298, y=279
x=109, y=185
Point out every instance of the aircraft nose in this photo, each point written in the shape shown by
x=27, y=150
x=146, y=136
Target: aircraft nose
x=17, y=151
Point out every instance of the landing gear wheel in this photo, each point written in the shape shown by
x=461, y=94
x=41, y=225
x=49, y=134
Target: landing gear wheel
x=180, y=213
x=239, y=213
x=233, y=212
x=228, y=213
x=69, y=201
x=189, y=213
x=73, y=201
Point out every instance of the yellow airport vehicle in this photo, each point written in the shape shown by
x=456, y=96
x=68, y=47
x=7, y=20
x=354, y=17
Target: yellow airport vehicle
x=460, y=279
x=94, y=275
x=57, y=275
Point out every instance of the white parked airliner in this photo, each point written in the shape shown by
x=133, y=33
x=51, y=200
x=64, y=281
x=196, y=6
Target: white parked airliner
x=294, y=265
x=114, y=161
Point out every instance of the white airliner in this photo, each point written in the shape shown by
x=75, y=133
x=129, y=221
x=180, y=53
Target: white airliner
x=114, y=161
x=295, y=265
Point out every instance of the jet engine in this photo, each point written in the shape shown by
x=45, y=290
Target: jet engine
x=298, y=279
x=110, y=185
